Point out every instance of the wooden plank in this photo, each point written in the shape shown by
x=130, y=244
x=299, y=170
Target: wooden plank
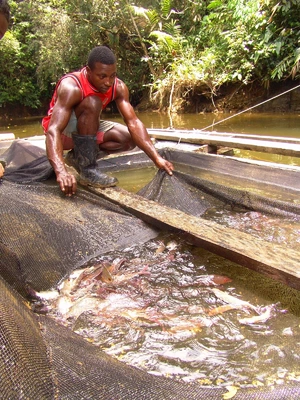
x=255, y=137
x=264, y=257
x=7, y=136
x=228, y=134
x=287, y=148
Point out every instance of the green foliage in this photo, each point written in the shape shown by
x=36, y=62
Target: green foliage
x=18, y=61
x=174, y=47
x=284, y=39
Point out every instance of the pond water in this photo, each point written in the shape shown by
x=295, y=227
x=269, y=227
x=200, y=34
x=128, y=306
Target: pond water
x=285, y=125
x=282, y=125
x=161, y=307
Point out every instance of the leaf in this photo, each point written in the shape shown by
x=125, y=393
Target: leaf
x=214, y=4
x=139, y=11
x=165, y=7
x=232, y=391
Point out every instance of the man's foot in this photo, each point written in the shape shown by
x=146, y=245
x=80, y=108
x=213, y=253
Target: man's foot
x=93, y=177
x=101, y=154
x=70, y=160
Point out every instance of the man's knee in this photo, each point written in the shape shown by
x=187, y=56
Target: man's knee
x=118, y=138
x=123, y=136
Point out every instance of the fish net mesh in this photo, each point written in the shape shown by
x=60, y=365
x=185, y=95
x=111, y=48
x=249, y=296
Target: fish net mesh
x=43, y=237
x=198, y=196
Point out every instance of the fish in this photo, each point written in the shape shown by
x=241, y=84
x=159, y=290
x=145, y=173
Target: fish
x=172, y=245
x=106, y=276
x=51, y=294
x=115, y=266
x=185, y=326
x=125, y=277
x=258, y=318
x=71, y=284
x=220, y=310
x=114, y=304
x=208, y=280
x=161, y=248
x=233, y=301
x=84, y=304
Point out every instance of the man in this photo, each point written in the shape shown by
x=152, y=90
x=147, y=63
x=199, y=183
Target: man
x=73, y=123
x=4, y=22
x=4, y=17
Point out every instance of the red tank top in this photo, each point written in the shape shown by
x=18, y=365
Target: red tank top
x=87, y=89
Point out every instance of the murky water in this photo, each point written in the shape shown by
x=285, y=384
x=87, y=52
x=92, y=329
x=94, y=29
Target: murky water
x=285, y=125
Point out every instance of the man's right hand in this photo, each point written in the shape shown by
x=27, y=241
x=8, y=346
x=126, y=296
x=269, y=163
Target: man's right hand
x=1, y=170
x=67, y=183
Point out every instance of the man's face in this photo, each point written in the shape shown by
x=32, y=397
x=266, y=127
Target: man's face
x=102, y=76
x=3, y=25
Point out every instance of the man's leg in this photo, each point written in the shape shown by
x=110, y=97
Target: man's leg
x=117, y=139
x=85, y=145
x=88, y=113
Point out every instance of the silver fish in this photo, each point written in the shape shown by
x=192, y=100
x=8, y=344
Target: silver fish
x=233, y=301
x=258, y=318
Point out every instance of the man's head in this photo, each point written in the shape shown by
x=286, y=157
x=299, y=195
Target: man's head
x=4, y=17
x=101, y=54
x=101, y=68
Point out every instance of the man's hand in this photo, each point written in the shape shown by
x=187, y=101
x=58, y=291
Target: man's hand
x=164, y=164
x=67, y=183
x=1, y=170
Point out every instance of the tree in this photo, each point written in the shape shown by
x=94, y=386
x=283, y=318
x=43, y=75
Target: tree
x=171, y=48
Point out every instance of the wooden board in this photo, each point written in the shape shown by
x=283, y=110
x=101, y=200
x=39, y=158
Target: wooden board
x=282, y=146
x=264, y=257
x=6, y=136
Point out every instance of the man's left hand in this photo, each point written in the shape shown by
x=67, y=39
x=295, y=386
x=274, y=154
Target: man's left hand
x=1, y=170
x=164, y=164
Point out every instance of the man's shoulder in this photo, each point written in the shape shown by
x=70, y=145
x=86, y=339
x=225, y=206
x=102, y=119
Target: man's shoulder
x=69, y=83
x=120, y=83
x=68, y=92
x=121, y=88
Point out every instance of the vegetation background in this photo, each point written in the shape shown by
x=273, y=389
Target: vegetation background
x=187, y=55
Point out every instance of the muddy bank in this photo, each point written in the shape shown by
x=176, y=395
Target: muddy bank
x=230, y=98
x=239, y=97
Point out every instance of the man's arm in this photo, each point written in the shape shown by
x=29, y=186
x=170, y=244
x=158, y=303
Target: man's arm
x=137, y=129
x=69, y=96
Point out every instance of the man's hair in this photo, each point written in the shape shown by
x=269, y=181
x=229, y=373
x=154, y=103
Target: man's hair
x=5, y=9
x=101, y=54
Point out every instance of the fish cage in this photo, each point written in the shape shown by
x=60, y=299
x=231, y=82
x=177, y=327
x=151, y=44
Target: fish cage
x=45, y=237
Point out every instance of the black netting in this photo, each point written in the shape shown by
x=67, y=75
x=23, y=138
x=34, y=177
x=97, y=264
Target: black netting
x=196, y=196
x=59, y=234
x=26, y=163
x=25, y=367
